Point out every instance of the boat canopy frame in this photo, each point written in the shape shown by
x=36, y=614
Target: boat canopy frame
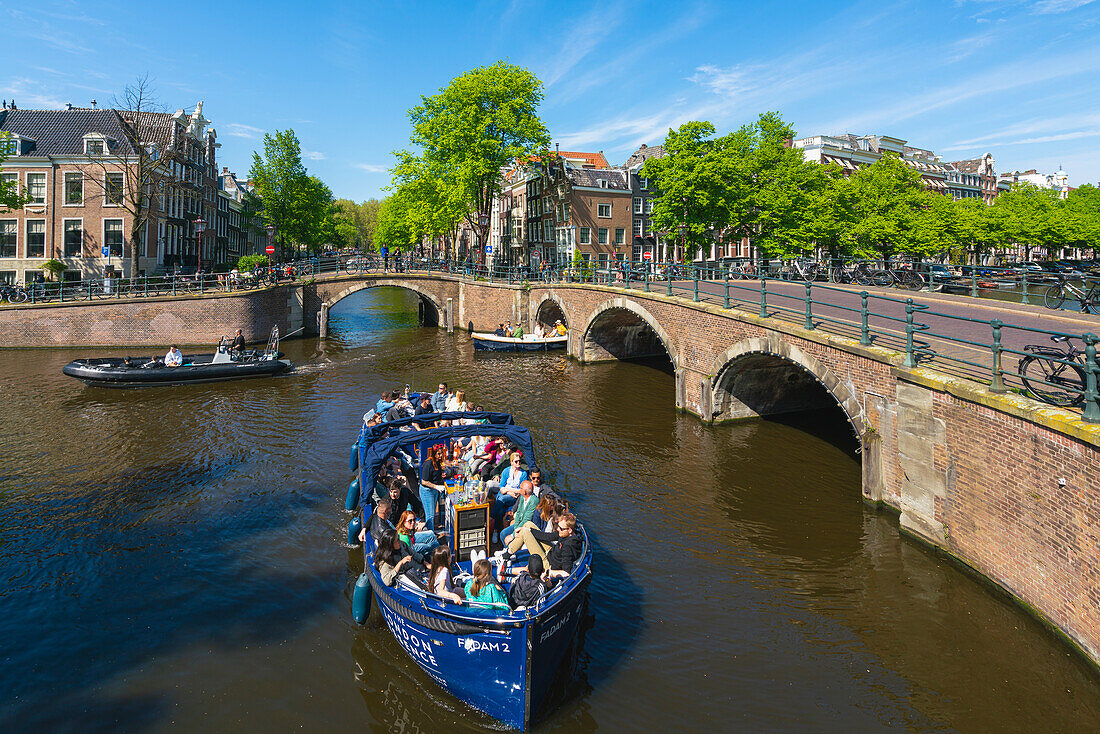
x=371, y=434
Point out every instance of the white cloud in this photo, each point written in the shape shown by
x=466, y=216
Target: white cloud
x=24, y=92
x=1059, y=6
x=238, y=130
x=580, y=40
x=314, y=155
x=370, y=167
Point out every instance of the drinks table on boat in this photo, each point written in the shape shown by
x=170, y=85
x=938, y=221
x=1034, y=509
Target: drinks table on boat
x=467, y=519
x=499, y=661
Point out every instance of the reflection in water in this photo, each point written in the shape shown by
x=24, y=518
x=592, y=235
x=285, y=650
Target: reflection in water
x=174, y=559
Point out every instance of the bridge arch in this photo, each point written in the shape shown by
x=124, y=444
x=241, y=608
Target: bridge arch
x=431, y=309
x=768, y=376
x=550, y=309
x=619, y=328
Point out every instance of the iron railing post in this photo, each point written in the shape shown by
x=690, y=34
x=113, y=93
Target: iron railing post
x=809, y=324
x=202, y=282
x=695, y=283
x=1025, y=299
x=973, y=282
x=174, y=277
x=670, y=279
x=1091, y=412
x=931, y=278
x=864, y=325
x=910, y=353
x=763, y=295
x=997, y=385
x=727, y=282
x=646, y=278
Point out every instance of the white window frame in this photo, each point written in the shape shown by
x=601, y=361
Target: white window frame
x=639, y=227
x=584, y=236
x=620, y=236
x=45, y=187
x=15, y=225
x=13, y=176
x=106, y=190
x=599, y=209
x=637, y=205
x=27, y=237
x=64, y=244
x=94, y=138
x=644, y=182
x=65, y=187
x=602, y=235
x=103, y=234
x=649, y=206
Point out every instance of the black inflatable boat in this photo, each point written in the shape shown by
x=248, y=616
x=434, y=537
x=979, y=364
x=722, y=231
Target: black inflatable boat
x=223, y=364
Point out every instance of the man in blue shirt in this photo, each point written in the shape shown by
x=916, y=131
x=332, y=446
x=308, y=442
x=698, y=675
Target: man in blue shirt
x=384, y=403
x=439, y=398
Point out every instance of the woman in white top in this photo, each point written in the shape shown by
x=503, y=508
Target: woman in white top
x=439, y=576
x=456, y=401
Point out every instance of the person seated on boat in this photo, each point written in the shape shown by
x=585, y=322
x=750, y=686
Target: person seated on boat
x=454, y=401
x=174, y=358
x=424, y=406
x=237, y=345
x=508, y=328
x=486, y=459
x=393, y=558
x=508, y=490
x=535, y=477
x=523, y=511
x=539, y=331
x=402, y=408
x=129, y=362
x=415, y=533
x=431, y=484
x=528, y=587
x=499, y=331
x=483, y=587
x=385, y=402
x=538, y=540
x=439, y=576
x=517, y=333
x=567, y=551
x=439, y=398
x=559, y=327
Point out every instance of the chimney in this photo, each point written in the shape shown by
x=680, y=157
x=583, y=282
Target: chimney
x=93, y=104
x=644, y=146
x=69, y=106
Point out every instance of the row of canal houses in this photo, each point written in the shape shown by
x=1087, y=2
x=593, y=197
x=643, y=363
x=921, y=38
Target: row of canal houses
x=580, y=203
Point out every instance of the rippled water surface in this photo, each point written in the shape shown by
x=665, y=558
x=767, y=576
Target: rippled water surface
x=174, y=559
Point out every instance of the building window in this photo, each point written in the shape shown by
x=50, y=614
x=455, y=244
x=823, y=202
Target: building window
x=74, y=189
x=603, y=261
x=94, y=147
x=7, y=277
x=585, y=236
x=649, y=206
x=74, y=237
x=637, y=205
x=9, y=229
x=603, y=211
x=603, y=235
x=638, y=229
x=36, y=187
x=9, y=147
x=112, y=236
x=36, y=238
x=620, y=235
x=113, y=189
x=645, y=183
x=10, y=180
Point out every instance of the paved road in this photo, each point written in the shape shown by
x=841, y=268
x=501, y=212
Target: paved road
x=959, y=336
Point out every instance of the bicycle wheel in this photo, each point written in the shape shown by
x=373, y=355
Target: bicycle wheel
x=1052, y=382
x=881, y=278
x=351, y=268
x=912, y=280
x=1055, y=296
x=18, y=295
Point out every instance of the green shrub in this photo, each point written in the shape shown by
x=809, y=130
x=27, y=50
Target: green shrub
x=248, y=263
x=54, y=267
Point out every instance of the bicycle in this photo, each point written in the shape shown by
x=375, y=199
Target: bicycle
x=13, y=294
x=900, y=277
x=805, y=270
x=1056, y=296
x=1052, y=375
x=742, y=271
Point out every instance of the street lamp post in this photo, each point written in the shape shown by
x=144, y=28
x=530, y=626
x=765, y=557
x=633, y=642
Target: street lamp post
x=270, y=229
x=200, y=227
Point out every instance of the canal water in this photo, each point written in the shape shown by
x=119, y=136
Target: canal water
x=174, y=559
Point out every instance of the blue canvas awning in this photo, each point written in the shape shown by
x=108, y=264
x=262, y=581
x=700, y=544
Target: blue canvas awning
x=372, y=457
x=372, y=433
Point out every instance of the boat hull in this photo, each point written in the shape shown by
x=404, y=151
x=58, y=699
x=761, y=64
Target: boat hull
x=494, y=343
x=112, y=372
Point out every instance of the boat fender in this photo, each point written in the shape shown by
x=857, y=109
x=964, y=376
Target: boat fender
x=353, y=531
x=353, y=460
x=353, y=496
x=361, y=599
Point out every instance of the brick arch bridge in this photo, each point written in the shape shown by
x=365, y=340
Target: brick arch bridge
x=986, y=478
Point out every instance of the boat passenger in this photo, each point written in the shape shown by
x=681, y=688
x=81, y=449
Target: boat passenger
x=402, y=408
x=393, y=558
x=509, y=491
x=439, y=398
x=559, y=327
x=567, y=550
x=483, y=588
x=397, y=489
x=500, y=331
x=535, y=477
x=439, y=576
x=425, y=405
x=385, y=402
x=174, y=358
x=379, y=521
x=456, y=400
x=523, y=512
x=517, y=333
x=415, y=534
x=527, y=587
x=237, y=344
x=539, y=332
x=431, y=484
x=537, y=541
x=508, y=328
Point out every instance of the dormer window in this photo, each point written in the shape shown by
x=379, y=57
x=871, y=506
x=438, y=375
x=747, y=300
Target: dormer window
x=9, y=147
x=95, y=144
x=603, y=183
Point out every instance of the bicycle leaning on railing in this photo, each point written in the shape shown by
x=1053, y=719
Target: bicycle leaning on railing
x=13, y=293
x=1056, y=296
x=1054, y=375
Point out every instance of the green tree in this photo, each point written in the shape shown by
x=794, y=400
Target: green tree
x=10, y=195
x=1079, y=218
x=482, y=121
x=1026, y=216
x=297, y=204
x=976, y=232
x=889, y=210
x=395, y=227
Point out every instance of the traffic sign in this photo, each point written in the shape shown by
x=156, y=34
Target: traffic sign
x=489, y=249
x=106, y=251
x=270, y=249
x=647, y=255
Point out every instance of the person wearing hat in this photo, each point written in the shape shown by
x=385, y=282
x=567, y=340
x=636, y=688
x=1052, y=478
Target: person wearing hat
x=499, y=331
x=528, y=587
x=559, y=327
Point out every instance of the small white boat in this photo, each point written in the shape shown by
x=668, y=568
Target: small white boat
x=486, y=342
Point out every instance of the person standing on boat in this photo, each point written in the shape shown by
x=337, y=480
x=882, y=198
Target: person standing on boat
x=439, y=398
x=174, y=358
x=499, y=331
x=431, y=484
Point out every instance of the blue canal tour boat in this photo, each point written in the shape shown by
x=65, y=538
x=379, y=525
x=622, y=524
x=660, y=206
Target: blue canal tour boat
x=500, y=662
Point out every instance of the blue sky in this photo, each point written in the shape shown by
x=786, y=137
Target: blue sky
x=1017, y=78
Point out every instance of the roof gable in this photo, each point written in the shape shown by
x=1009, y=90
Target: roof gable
x=61, y=132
